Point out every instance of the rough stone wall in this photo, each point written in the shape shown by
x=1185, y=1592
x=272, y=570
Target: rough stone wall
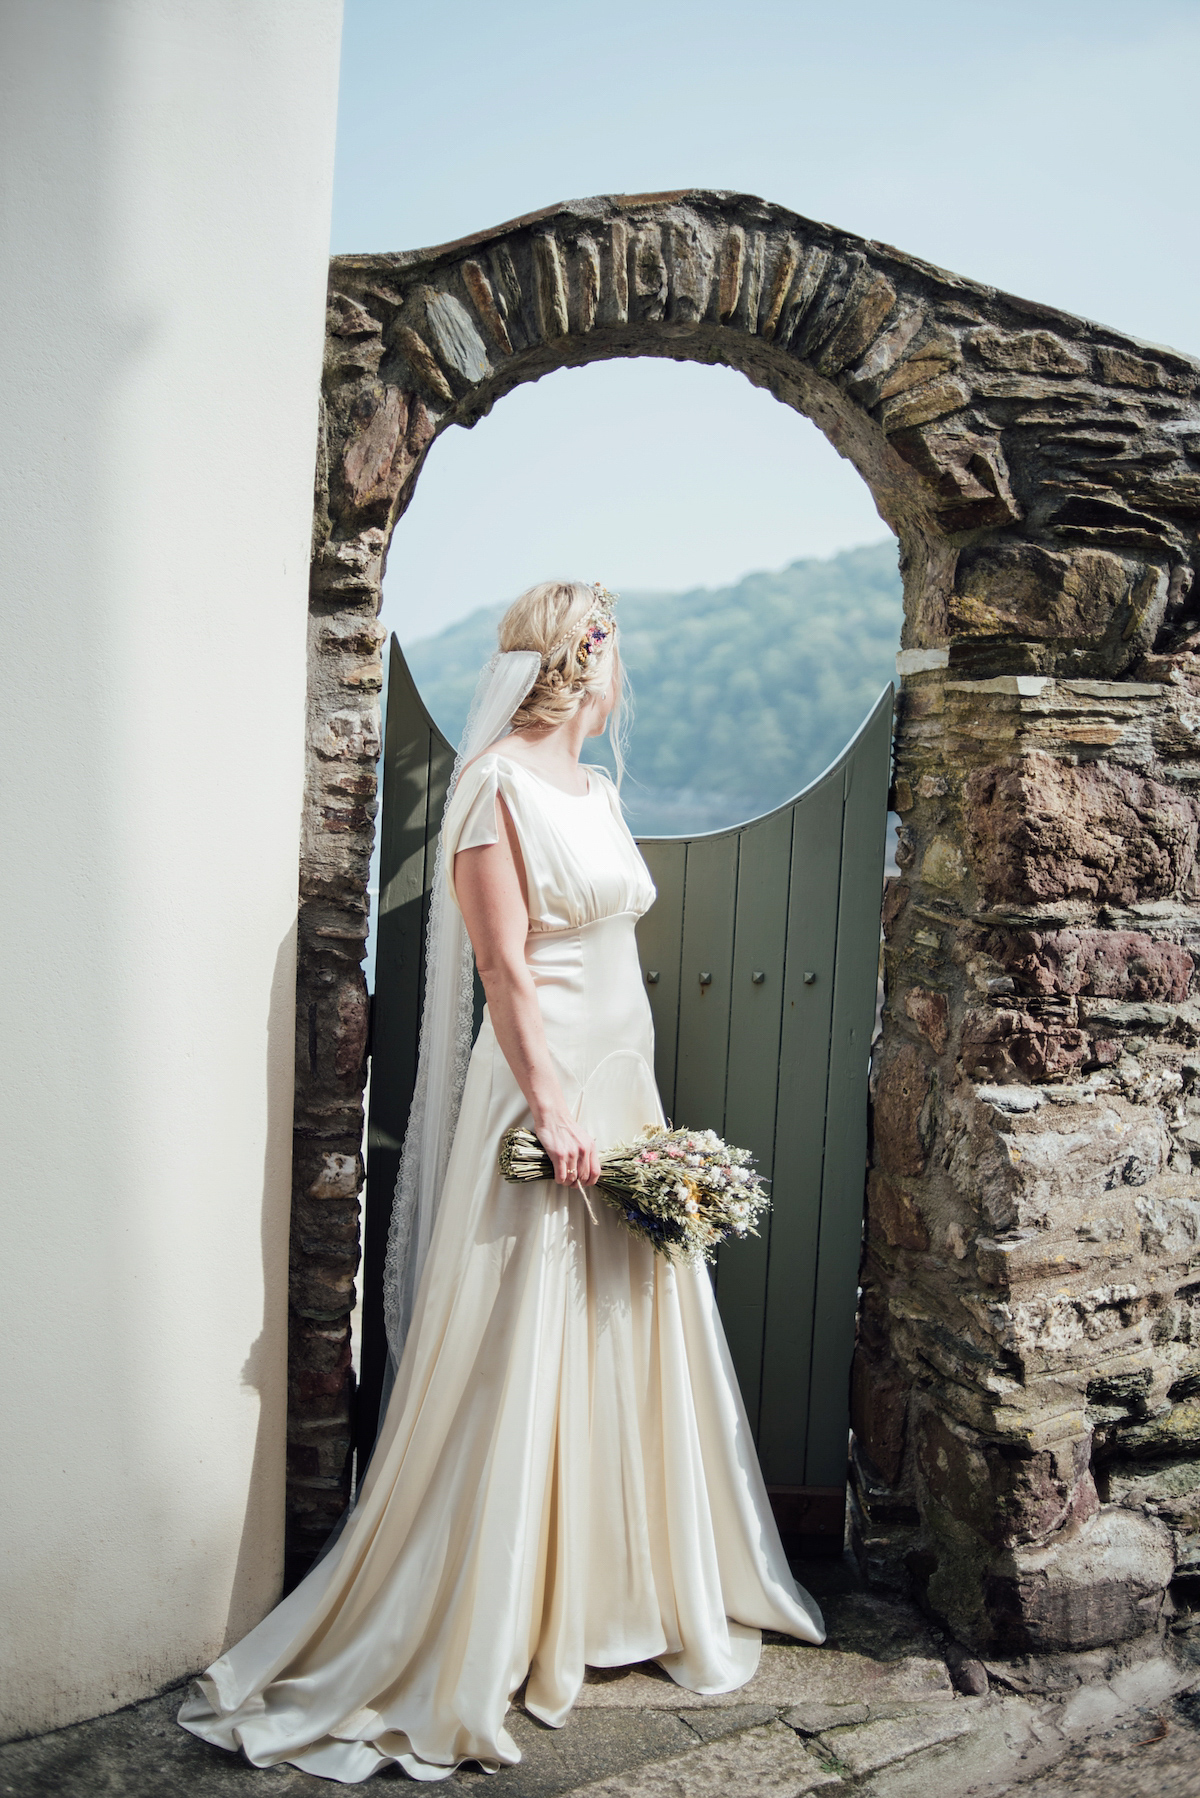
x=332, y=1018
x=1026, y=1387
x=1029, y=1363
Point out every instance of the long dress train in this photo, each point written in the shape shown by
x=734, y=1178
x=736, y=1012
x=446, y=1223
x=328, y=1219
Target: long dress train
x=565, y=1475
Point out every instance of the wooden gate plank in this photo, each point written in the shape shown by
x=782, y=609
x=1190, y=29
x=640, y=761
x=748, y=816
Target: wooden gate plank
x=800, y=1130
x=864, y=832
x=660, y=946
x=709, y=896
x=760, y=933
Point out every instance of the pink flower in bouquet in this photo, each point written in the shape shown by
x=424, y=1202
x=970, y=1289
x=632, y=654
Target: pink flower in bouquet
x=648, y=1155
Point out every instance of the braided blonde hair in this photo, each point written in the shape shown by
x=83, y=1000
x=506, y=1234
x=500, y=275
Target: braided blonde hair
x=551, y=618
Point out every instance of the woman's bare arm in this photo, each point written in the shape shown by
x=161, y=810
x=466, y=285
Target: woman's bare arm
x=490, y=882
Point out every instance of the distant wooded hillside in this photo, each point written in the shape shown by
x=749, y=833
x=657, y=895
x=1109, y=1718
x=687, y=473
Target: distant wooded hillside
x=741, y=694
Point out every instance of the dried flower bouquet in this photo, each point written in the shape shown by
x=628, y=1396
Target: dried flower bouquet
x=684, y=1191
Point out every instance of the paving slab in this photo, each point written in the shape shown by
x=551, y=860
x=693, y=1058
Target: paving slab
x=1155, y=1755
x=1091, y=1708
x=769, y=1763
x=813, y=1719
x=866, y=1747
x=1002, y=1745
x=1150, y=1682
x=708, y=1725
x=791, y=1675
x=1145, y=1683
x=598, y=1745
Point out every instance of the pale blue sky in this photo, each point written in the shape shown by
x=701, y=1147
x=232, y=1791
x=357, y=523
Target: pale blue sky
x=1047, y=146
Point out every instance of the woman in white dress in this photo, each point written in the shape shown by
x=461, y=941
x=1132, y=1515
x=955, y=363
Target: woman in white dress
x=564, y=1475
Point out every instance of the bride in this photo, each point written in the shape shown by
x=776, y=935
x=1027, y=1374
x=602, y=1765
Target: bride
x=564, y=1475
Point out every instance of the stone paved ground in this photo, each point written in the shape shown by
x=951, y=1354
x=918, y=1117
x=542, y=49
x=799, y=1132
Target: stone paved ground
x=873, y=1714
x=1156, y=1755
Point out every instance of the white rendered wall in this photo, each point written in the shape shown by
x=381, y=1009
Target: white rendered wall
x=166, y=168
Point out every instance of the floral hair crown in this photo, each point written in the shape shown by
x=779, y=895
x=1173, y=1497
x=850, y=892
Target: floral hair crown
x=598, y=627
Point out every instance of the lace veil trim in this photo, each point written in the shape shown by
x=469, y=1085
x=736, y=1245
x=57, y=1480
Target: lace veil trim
x=446, y=1019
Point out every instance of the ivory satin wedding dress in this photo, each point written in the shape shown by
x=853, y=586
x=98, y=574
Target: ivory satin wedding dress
x=565, y=1475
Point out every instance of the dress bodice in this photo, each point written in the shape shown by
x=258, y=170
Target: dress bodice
x=581, y=863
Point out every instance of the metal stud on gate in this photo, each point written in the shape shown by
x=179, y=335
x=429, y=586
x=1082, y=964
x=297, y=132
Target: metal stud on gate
x=705, y=977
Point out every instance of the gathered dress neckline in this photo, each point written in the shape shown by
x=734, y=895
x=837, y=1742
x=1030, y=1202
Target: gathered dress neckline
x=511, y=762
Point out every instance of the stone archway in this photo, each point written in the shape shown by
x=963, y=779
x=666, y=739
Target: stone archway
x=1028, y=1376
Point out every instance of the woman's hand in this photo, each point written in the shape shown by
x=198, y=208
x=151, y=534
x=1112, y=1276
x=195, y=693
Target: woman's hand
x=571, y=1149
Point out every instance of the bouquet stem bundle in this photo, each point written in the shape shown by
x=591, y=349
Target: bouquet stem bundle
x=683, y=1191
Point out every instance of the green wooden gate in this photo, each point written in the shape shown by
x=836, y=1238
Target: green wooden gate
x=760, y=959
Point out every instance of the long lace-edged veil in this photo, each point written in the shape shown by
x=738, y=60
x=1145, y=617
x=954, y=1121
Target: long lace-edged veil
x=446, y=1016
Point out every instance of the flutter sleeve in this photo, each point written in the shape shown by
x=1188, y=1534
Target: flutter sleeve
x=472, y=818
